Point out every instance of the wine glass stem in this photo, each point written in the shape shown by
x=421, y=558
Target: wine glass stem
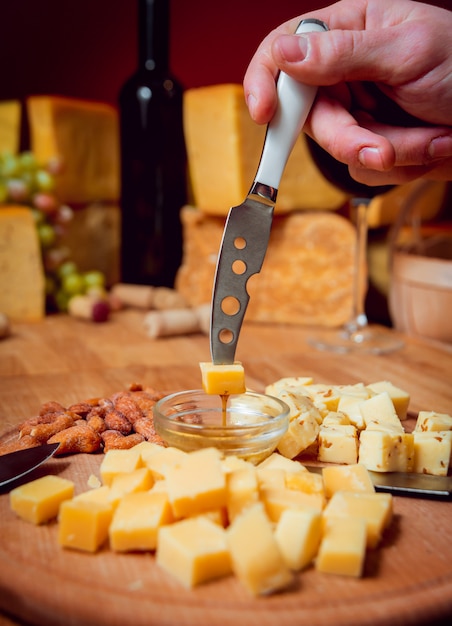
x=359, y=320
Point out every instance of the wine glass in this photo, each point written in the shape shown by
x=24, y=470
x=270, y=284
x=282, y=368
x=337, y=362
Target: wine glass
x=356, y=335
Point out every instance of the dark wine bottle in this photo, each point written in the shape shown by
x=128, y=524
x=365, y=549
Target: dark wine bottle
x=153, y=157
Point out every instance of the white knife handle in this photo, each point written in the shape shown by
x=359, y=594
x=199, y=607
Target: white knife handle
x=294, y=103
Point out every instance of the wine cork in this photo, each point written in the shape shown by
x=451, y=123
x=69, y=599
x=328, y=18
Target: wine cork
x=172, y=322
x=166, y=298
x=139, y=296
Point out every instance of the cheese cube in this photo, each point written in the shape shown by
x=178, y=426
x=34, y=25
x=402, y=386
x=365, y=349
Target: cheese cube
x=342, y=550
x=276, y=501
x=242, y=491
x=161, y=462
x=386, y=450
x=102, y=495
x=147, y=449
x=10, y=126
x=138, y=480
x=432, y=452
x=380, y=410
x=232, y=462
x=338, y=444
x=39, y=501
x=324, y=395
x=276, y=461
x=399, y=397
x=137, y=519
x=298, y=535
x=193, y=551
x=336, y=418
x=302, y=432
x=298, y=403
x=223, y=146
x=307, y=482
x=83, y=525
x=432, y=421
x=350, y=406
x=374, y=508
x=223, y=379
x=84, y=136
x=272, y=478
x=346, y=478
x=118, y=462
x=294, y=382
x=22, y=293
x=197, y=484
x=256, y=558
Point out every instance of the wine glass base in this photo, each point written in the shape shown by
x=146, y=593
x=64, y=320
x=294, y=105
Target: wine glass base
x=370, y=339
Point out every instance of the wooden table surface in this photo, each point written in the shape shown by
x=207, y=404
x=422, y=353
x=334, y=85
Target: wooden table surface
x=69, y=360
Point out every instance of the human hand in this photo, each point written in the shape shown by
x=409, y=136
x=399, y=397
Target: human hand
x=384, y=72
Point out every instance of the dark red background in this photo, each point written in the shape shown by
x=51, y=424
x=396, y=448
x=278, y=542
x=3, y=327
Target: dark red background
x=87, y=48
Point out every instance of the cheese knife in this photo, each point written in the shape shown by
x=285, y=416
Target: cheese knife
x=15, y=465
x=247, y=229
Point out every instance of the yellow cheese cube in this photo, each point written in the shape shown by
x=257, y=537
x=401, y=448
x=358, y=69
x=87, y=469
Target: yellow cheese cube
x=137, y=519
x=350, y=406
x=298, y=535
x=432, y=452
x=118, y=462
x=83, y=525
x=338, y=444
x=325, y=395
x=298, y=402
x=223, y=379
x=102, y=495
x=302, y=432
x=197, y=484
x=276, y=461
x=343, y=547
x=399, y=397
x=374, y=508
x=380, y=409
x=432, y=421
x=39, y=500
x=308, y=482
x=147, y=449
x=242, y=491
x=193, y=551
x=336, y=418
x=9, y=126
x=232, y=462
x=224, y=145
x=256, y=558
x=386, y=450
x=161, y=462
x=138, y=480
x=273, y=478
x=83, y=135
x=346, y=478
x=22, y=293
x=276, y=501
x=295, y=382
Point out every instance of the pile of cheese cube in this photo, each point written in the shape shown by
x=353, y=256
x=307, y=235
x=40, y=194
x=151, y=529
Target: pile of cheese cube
x=362, y=423
x=207, y=516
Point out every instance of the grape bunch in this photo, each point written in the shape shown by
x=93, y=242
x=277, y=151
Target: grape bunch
x=24, y=181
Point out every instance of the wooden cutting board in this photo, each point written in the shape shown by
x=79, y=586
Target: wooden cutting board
x=408, y=579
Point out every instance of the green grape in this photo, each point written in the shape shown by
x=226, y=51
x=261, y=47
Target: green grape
x=47, y=235
x=9, y=165
x=27, y=161
x=38, y=216
x=3, y=191
x=73, y=284
x=94, y=278
x=44, y=180
x=67, y=268
x=61, y=300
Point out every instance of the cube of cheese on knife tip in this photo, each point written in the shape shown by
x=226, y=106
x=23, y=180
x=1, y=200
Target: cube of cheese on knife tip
x=223, y=379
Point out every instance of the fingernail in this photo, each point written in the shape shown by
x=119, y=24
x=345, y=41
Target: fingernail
x=251, y=102
x=371, y=159
x=440, y=147
x=292, y=48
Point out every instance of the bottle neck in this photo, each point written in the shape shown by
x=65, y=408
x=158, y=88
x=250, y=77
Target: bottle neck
x=153, y=35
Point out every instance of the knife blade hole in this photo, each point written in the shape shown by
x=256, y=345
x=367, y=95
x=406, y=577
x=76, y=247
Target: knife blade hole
x=239, y=267
x=225, y=335
x=240, y=243
x=230, y=305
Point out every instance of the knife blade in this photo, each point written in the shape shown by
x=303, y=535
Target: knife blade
x=15, y=465
x=247, y=228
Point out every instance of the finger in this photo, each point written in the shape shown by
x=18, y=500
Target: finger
x=401, y=175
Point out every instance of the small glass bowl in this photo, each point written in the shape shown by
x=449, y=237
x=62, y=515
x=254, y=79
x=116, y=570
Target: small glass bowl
x=250, y=428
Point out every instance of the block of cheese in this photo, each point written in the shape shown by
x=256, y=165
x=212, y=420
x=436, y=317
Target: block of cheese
x=119, y=462
x=197, y=483
x=38, y=501
x=350, y=406
x=137, y=519
x=256, y=558
x=140, y=479
x=242, y=491
x=343, y=547
x=379, y=409
x=22, y=293
x=276, y=461
x=84, y=137
x=374, y=508
x=193, y=550
x=307, y=273
x=433, y=421
x=298, y=535
x=276, y=501
x=10, y=126
x=346, y=478
x=302, y=432
x=308, y=482
x=224, y=147
x=102, y=495
x=338, y=444
x=161, y=462
x=83, y=525
x=400, y=398
x=223, y=379
x=386, y=450
x=432, y=452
